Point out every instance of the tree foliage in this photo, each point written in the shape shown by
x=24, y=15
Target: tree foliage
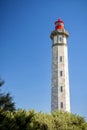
x=31, y=120
x=1, y=82
x=6, y=101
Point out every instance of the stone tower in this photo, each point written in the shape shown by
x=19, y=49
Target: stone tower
x=60, y=98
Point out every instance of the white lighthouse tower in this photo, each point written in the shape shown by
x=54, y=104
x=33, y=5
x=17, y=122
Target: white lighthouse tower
x=60, y=97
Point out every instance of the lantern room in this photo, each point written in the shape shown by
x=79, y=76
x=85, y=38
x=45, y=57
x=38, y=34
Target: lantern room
x=59, y=24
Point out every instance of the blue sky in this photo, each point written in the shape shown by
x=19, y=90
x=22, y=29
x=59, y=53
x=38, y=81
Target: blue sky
x=25, y=51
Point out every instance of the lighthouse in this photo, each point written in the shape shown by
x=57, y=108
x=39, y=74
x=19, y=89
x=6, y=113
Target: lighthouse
x=60, y=96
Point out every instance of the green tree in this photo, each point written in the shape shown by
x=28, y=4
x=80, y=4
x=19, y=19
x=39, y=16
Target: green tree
x=31, y=120
x=6, y=101
x=1, y=82
x=68, y=121
x=42, y=121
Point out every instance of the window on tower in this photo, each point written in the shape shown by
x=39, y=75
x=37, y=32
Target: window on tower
x=61, y=73
x=60, y=58
x=61, y=104
x=60, y=38
x=61, y=88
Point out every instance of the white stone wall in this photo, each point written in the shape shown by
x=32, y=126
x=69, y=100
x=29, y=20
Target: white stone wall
x=67, y=93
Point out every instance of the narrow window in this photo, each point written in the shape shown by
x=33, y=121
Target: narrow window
x=61, y=88
x=61, y=104
x=60, y=58
x=60, y=38
x=61, y=73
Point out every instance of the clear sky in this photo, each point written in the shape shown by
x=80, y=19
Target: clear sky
x=25, y=51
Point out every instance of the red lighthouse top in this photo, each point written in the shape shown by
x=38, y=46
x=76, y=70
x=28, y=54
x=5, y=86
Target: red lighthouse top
x=59, y=24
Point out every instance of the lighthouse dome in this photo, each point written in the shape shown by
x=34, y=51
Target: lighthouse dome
x=59, y=24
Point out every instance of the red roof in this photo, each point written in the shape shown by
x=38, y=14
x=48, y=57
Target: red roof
x=59, y=24
x=59, y=21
